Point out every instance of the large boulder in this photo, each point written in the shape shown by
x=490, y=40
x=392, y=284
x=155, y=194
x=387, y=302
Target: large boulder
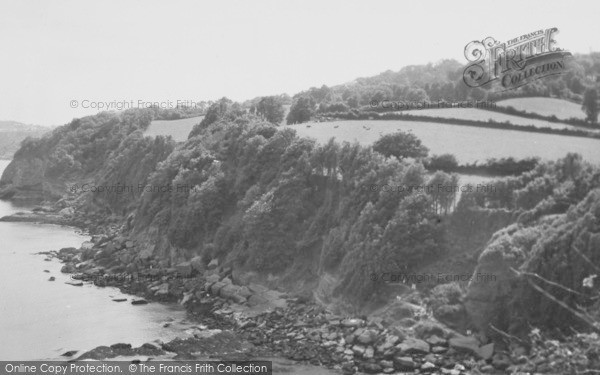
x=216, y=287
x=413, y=346
x=367, y=336
x=228, y=291
x=184, y=269
x=197, y=264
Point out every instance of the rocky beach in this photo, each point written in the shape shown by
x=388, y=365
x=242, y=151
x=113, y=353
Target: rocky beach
x=232, y=318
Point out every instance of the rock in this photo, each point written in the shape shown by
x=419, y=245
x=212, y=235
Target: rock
x=70, y=353
x=453, y=371
x=119, y=299
x=358, y=350
x=348, y=368
x=68, y=268
x=349, y=339
x=52, y=278
x=120, y=346
x=328, y=344
x=152, y=345
x=257, y=288
x=434, y=340
x=369, y=353
x=452, y=315
x=439, y=349
x=371, y=368
x=210, y=280
x=68, y=211
x=314, y=335
x=386, y=364
x=74, y=282
x=405, y=363
x=46, y=271
x=162, y=290
x=256, y=300
x=486, y=351
x=129, y=244
x=426, y=329
x=197, y=264
x=98, y=239
x=214, y=263
x=99, y=353
x=145, y=254
x=228, y=291
x=184, y=269
x=87, y=245
x=399, y=309
x=139, y=302
x=467, y=344
x=501, y=361
x=186, y=298
x=485, y=298
x=390, y=341
x=352, y=323
x=427, y=366
x=216, y=287
x=412, y=345
x=244, y=292
x=367, y=337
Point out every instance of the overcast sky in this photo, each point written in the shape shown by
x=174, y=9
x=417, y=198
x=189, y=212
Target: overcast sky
x=54, y=52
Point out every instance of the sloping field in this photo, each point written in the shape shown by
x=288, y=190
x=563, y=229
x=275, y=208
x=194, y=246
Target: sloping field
x=467, y=143
x=560, y=108
x=178, y=129
x=483, y=115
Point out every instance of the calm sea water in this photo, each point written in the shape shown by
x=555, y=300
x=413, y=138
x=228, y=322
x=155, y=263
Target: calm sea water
x=40, y=319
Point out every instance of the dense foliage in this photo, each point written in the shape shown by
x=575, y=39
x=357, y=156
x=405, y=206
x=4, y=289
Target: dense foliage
x=442, y=81
x=270, y=201
x=552, y=246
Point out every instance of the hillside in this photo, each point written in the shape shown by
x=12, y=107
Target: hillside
x=256, y=202
x=442, y=81
x=483, y=115
x=468, y=144
x=12, y=133
x=562, y=109
x=177, y=129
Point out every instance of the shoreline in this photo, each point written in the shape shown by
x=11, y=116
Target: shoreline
x=257, y=322
x=238, y=320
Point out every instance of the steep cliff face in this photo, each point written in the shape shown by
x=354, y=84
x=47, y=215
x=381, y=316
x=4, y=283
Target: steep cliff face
x=45, y=169
x=305, y=217
x=538, y=272
x=24, y=180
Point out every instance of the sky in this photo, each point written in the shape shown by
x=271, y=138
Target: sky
x=58, y=56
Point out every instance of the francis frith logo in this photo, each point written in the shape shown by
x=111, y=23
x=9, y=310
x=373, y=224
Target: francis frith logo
x=516, y=62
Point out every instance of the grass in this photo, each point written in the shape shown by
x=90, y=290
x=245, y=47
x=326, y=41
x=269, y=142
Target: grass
x=560, y=108
x=468, y=144
x=483, y=115
x=178, y=129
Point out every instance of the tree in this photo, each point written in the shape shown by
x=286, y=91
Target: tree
x=401, y=145
x=444, y=162
x=590, y=105
x=301, y=111
x=271, y=109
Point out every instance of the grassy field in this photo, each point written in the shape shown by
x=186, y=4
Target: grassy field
x=483, y=115
x=178, y=129
x=560, y=108
x=468, y=144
